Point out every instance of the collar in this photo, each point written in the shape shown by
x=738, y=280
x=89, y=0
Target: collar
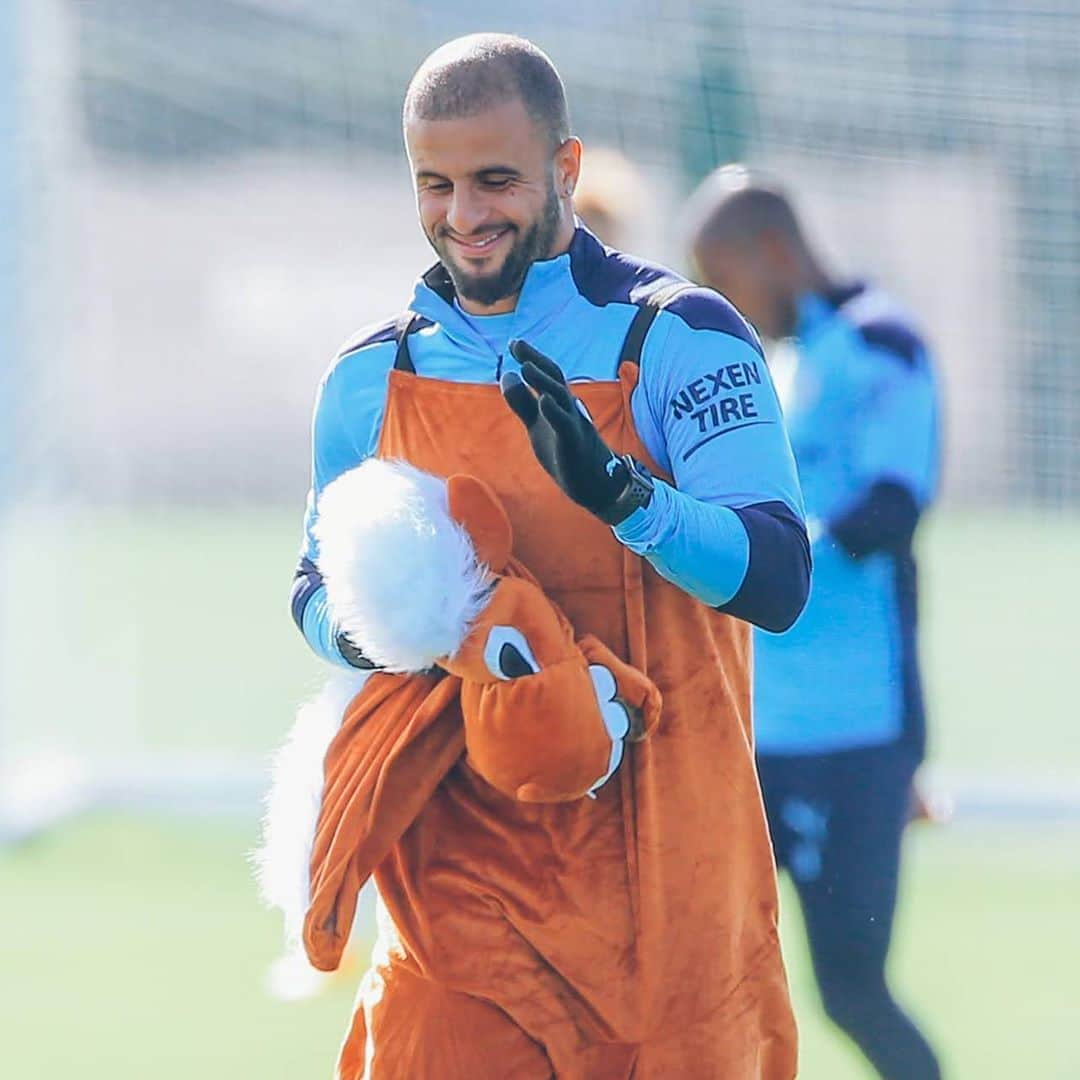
x=548, y=287
x=814, y=311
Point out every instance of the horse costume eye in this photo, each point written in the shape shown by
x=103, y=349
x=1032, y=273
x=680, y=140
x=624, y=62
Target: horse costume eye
x=507, y=654
x=512, y=664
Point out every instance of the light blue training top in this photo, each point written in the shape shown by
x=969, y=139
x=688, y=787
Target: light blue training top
x=862, y=410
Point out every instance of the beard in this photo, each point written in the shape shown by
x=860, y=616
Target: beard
x=528, y=247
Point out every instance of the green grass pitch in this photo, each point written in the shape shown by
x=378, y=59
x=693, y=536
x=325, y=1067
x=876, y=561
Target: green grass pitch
x=134, y=948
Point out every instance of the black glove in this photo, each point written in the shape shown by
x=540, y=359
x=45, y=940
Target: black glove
x=563, y=438
x=353, y=656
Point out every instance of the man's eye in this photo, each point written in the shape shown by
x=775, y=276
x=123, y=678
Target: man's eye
x=497, y=183
x=439, y=189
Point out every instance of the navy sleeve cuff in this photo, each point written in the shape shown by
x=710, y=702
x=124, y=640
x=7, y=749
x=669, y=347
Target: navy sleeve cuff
x=306, y=582
x=777, y=582
x=311, y=613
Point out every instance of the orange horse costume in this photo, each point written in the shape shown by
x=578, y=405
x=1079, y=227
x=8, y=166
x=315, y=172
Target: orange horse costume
x=527, y=931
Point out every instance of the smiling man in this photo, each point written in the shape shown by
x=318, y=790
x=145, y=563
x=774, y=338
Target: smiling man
x=627, y=422
x=490, y=230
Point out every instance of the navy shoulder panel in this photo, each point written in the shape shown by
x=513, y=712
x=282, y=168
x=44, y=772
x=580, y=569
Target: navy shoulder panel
x=893, y=336
x=704, y=309
x=605, y=276
x=377, y=334
x=373, y=334
x=882, y=325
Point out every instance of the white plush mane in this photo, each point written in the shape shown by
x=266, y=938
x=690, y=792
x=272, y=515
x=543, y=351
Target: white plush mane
x=292, y=805
x=402, y=577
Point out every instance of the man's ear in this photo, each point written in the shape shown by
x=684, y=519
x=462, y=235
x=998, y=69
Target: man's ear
x=567, y=166
x=477, y=509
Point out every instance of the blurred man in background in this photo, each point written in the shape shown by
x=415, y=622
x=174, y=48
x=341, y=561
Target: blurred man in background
x=838, y=703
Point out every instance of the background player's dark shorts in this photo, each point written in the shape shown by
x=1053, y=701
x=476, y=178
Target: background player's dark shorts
x=836, y=821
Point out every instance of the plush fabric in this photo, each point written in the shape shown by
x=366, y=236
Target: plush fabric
x=535, y=728
x=295, y=799
x=397, y=741
x=402, y=576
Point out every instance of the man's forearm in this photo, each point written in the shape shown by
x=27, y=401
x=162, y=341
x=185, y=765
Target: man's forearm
x=311, y=613
x=702, y=548
x=752, y=562
x=884, y=519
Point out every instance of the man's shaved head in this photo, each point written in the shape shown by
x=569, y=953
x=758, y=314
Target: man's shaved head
x=471, y=74
x=747, y=243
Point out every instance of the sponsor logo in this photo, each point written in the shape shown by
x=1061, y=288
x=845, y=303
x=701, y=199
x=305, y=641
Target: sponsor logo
x=719, y=402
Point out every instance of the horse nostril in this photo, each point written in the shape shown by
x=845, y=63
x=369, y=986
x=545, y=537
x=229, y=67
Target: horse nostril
x=512, y=664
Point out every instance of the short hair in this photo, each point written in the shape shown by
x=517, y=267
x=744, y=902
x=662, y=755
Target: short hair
x=473, y=73
x=734, y=205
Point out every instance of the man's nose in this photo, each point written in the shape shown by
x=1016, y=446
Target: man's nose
x=468, y=210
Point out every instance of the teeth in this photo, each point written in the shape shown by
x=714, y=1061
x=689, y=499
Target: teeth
x=486, y=242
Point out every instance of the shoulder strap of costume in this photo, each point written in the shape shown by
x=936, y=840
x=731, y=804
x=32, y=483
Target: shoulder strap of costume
x=648, y=308
x=405, y=325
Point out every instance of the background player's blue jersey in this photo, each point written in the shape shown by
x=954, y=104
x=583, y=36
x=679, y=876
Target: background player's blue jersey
x=862, y=414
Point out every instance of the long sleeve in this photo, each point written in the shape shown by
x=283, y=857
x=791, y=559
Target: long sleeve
x=353, y=388
x=731, y=530
x=895, y=459
x=883, y=519
x=701, y=547
x=331, y=456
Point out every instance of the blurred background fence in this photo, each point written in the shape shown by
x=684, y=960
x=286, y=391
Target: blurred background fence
x=201, y=198
x=218, y=176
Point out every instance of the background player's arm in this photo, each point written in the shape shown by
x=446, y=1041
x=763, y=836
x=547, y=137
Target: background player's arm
x=895, y=456
x=731, y=530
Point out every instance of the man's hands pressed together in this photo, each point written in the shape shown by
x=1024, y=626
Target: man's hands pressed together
x=564, y=439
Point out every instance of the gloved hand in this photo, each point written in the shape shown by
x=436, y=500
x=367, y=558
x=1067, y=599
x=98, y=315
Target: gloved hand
x=564, y=439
